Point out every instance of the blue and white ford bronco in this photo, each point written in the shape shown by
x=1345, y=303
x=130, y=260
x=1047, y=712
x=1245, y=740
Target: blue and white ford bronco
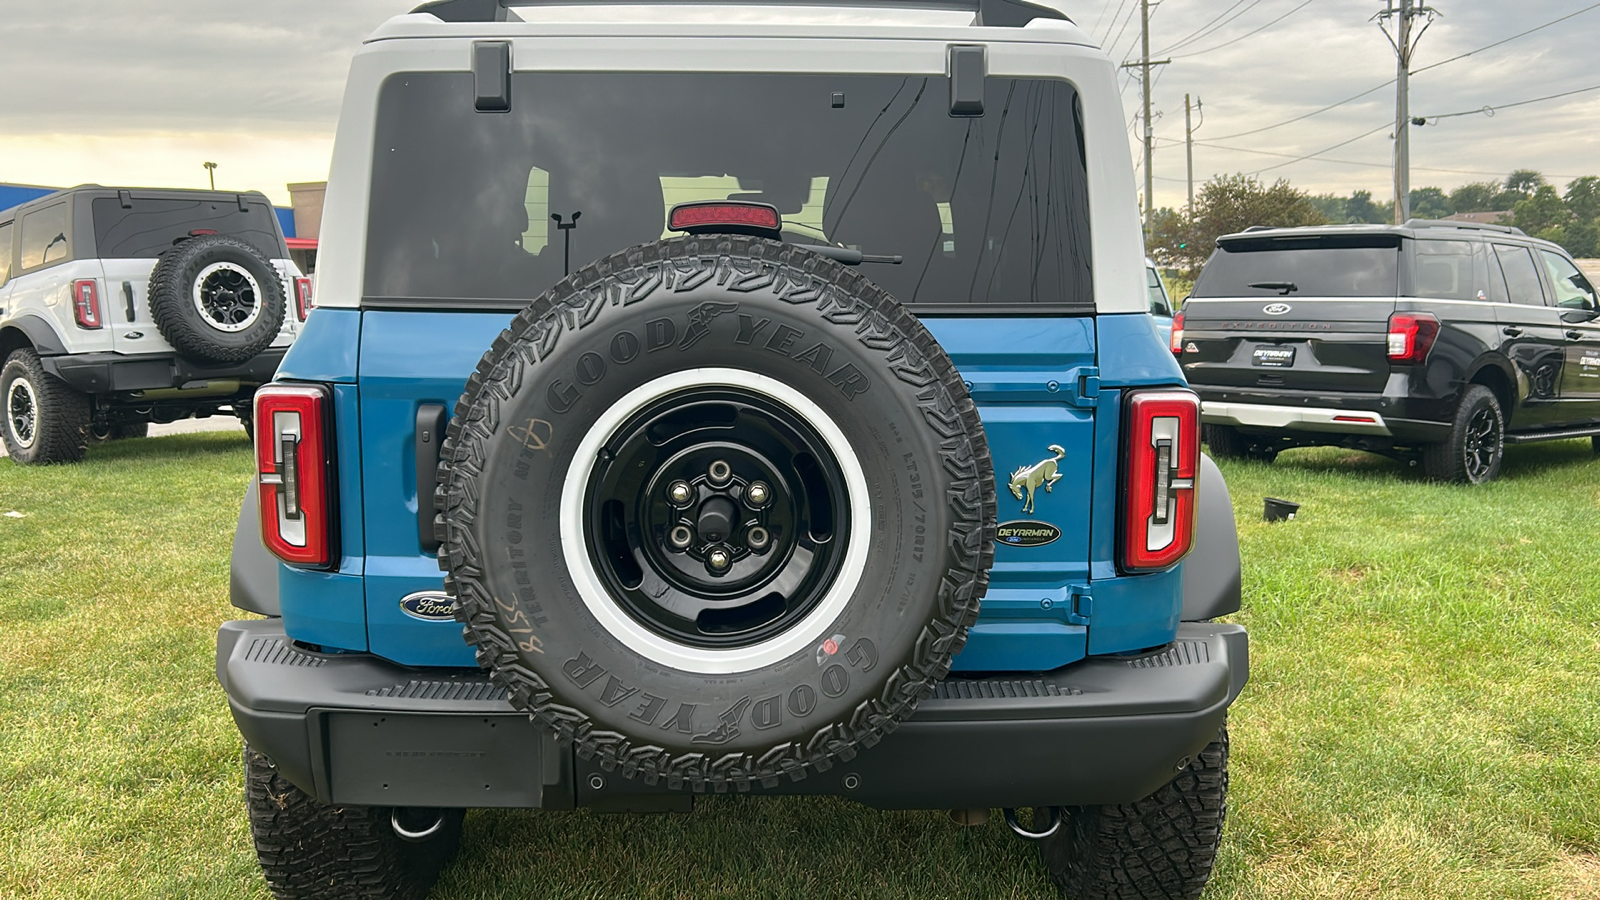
x=776, y=389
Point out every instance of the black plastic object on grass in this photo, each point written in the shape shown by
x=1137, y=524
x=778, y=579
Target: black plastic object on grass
x=1279, y=510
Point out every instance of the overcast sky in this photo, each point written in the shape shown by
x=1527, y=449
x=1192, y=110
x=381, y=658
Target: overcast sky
x=142, y=92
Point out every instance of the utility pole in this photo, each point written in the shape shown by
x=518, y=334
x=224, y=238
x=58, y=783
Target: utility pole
x=1188, y=144
x=1404, y=44
x=1144, y=64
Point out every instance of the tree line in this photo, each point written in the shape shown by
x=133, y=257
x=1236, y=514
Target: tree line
x=1230, y=203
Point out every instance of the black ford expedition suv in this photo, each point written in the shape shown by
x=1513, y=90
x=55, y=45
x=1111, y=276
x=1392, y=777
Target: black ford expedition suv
x=1431, y=341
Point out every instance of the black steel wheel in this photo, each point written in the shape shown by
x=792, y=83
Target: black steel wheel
x=718, y=516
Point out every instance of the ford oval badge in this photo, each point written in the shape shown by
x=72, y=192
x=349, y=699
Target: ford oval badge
x=1275, y=309
x=1025, y=533
x=430, y=606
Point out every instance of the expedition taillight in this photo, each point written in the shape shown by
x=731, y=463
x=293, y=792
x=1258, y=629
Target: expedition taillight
x=1176, y=344
x=302, y=298
x=1411, y=336
x=293, y=468
x=1161, y=465
x=86, y=303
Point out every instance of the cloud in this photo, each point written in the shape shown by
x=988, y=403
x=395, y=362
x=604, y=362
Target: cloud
x=141, y=92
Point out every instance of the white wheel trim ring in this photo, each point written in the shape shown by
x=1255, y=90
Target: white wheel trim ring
x=33, y=401
x=806, y=633
x=199, y=302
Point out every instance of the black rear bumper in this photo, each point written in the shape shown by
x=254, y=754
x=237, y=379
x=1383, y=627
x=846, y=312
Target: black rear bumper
x=355, y=729
x=107, y=373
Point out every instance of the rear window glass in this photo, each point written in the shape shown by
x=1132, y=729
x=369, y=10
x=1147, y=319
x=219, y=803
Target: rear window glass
x=1522, y=278
x=44, y=236
x=152, y=226
x=467, y=206
x=1302, y=267
x=1444, y=271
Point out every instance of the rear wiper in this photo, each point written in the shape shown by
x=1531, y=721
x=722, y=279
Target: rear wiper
x=850, y=257
x=1282, y=287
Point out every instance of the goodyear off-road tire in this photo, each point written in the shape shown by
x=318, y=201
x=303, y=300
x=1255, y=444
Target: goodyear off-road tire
x=312, y=851
x=1475, y=448
x=1160, y=848
x=216, y=299
x=739, y=321
x=46, y=421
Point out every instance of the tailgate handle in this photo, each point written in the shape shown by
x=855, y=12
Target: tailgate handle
x=1574, y=335
x=429, y=435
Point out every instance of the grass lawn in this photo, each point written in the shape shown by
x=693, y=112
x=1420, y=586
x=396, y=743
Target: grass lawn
x=1423, y=718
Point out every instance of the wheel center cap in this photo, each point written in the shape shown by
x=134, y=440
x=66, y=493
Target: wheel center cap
x=716, y=519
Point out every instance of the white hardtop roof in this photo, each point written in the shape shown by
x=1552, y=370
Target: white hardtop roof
x=933, y=20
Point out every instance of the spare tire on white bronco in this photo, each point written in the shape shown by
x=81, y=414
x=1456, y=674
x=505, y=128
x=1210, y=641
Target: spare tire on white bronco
x=718, y=510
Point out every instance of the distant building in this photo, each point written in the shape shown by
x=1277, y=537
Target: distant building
x=1482, y=218
x=1591, y=268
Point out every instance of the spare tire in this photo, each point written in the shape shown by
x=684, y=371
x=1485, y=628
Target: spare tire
x=216, y=299
x=718, y=510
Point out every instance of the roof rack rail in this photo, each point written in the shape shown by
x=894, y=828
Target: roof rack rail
x=1472, y=226
x=1259, y=228
x=1002, y=13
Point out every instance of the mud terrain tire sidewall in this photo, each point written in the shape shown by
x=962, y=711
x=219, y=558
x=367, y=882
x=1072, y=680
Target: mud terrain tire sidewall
x=193, y=334
x=60, y=414
x=603, y=333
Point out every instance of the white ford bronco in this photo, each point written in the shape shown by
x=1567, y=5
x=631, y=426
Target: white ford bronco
x=121, y=307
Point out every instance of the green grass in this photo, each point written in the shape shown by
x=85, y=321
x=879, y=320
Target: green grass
x=1421, y=721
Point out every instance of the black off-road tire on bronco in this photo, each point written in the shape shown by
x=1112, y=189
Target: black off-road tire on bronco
x=624, y=386
x=1160, y=848
x=45, y=420
x=216, y=299
x=1475, y=448
x=312, y=851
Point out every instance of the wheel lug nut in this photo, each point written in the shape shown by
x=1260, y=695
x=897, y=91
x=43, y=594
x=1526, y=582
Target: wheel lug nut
x=720, y=473
x=757, y=494
x=680, y=536
x=718, y=559
x=757, y=537
x=680, y=493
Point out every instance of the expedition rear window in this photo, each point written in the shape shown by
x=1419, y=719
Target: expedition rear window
x=150, y=226
x=1305, y=267
x=985, y=211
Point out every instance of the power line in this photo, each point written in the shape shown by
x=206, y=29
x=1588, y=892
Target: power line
x=1248, y=33
x=1490, y=110
x=1329, y=159
x=1197, y=32
x=1379, y=87
x=1507, y=40
x=1323, y=150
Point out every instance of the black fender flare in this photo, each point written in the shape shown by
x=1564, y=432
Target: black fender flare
x=39, y=332
x=1211, y=572
x=1520, y=388
x=253, y=571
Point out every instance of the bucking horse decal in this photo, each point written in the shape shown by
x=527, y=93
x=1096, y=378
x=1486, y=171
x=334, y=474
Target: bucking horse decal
x=1031, y=477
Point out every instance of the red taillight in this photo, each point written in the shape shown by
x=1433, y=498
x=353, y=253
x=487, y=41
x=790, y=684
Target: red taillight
x=292, y=462
x=1411, y=336
x=1176, y=344
x=1158, y=491
x=302, y=297
x=86, y=303
x=713, y=214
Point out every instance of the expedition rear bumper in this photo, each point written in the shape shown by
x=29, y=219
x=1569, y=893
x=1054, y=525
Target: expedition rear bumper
x=105, y=373
x=355, y=729
x=1391, y=417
